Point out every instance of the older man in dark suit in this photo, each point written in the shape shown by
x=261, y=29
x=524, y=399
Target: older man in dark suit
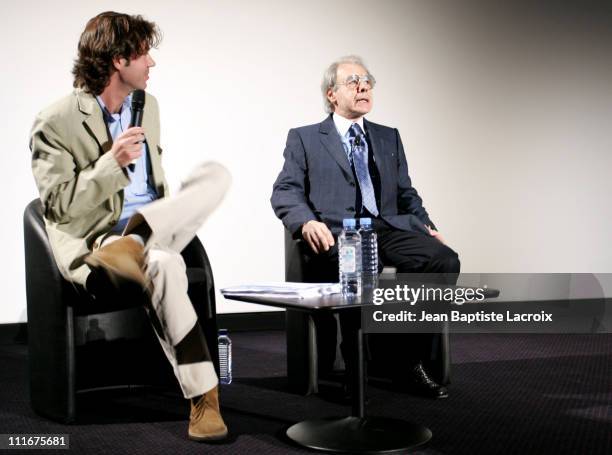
x=349, y=167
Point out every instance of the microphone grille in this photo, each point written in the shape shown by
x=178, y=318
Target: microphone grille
x=138, y=99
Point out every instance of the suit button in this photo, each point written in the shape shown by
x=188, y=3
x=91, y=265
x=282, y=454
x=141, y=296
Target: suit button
x=352, y=184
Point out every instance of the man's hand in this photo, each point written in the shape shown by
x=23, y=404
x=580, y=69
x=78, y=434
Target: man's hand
x=436, y=234
x=128, y=146
x=318, y=236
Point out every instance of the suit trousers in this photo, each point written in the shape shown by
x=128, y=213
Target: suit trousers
x=173, y=222
x=409, y=252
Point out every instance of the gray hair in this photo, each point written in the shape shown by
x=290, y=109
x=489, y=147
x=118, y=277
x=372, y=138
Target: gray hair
x=329, y=77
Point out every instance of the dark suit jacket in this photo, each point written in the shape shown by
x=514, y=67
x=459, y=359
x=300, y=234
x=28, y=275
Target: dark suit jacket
x=317, y=183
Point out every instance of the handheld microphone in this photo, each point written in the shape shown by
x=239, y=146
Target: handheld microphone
x=138, y=102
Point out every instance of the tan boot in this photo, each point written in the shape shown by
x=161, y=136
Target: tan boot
x=122, y=259
x=205, y=421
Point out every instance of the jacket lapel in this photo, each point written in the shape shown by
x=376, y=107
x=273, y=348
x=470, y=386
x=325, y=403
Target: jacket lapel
x=94, y=122
x=331, y=141
x=151, y=133
x=377, y=144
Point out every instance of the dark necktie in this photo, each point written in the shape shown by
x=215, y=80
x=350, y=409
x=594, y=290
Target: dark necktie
x=359, y=150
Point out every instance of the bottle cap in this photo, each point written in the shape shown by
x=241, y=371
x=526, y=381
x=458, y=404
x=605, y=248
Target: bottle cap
x=222, y=331
x=349, y=223
x=365, y=222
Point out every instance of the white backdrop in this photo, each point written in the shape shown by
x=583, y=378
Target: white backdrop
x=504, y=111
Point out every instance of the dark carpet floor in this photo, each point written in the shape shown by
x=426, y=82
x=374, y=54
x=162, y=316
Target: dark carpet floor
x=511, y=394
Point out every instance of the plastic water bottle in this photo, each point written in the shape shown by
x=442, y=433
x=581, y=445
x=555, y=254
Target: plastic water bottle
x=225, y=357
x=369, y=253
x=349, y=258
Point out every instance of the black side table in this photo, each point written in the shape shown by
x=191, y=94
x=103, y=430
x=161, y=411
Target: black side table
x=357, y=433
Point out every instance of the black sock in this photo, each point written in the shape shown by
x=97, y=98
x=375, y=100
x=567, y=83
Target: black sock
x=192, y=348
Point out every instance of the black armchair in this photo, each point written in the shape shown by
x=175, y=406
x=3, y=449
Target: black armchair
x=303, y=348
x=78, y=343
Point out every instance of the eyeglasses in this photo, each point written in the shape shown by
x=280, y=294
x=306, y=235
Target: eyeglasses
x=352, y=82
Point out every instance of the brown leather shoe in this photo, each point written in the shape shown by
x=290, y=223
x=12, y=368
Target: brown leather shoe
x=122, y=259
x=205, y=421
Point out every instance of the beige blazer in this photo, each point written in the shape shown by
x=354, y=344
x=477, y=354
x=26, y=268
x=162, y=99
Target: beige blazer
x=80, y=184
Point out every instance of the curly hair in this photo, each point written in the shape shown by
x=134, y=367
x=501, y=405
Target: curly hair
x=108, y=36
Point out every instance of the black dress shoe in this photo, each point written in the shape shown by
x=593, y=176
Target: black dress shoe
x=421, y=383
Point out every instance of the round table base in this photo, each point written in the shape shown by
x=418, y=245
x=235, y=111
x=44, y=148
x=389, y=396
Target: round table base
x=359, y=435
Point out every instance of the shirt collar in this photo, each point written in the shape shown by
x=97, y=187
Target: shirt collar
x=344, y=124
x=127, y=102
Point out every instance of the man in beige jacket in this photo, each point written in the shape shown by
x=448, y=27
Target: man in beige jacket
x=105, y=199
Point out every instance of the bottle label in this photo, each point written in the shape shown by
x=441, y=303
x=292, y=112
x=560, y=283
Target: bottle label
x=347, y=259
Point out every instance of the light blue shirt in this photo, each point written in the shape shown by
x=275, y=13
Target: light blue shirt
x=140, y=191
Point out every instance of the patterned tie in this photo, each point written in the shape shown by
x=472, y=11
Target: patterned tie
x=359, y=150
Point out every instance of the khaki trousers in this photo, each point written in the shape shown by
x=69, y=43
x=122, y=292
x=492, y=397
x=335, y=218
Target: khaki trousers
x=174, y=221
